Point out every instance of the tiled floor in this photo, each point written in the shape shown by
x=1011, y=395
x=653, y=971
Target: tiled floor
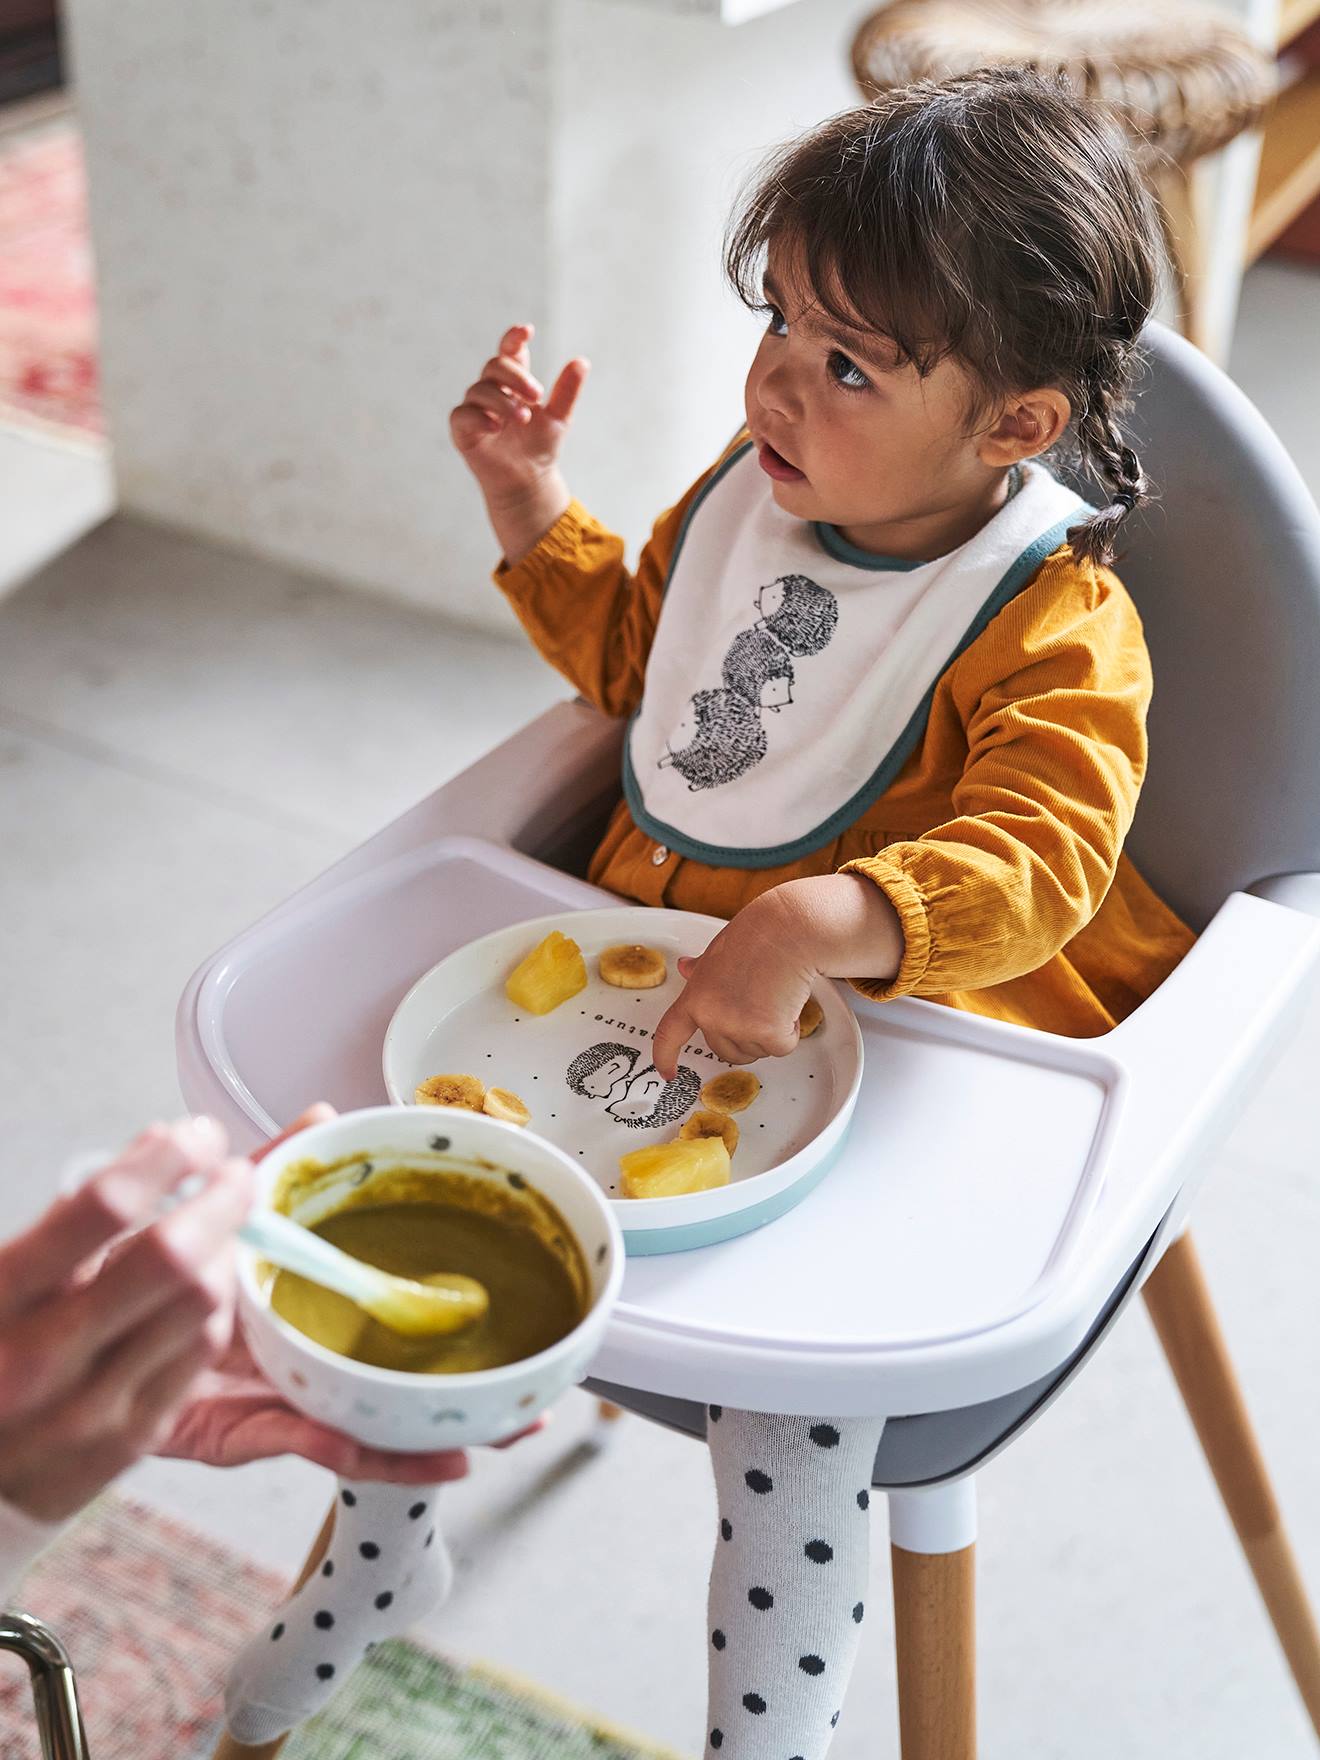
x=185, y=736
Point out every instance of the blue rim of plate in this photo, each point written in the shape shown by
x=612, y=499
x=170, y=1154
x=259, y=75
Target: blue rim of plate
x=683, y=1237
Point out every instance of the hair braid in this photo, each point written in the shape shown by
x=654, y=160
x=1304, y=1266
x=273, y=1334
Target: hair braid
x=1105, y=452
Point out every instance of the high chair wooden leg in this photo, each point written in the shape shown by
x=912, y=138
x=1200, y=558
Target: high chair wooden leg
x=933, y=1561
x=1179, y=1304
x=227, y=1748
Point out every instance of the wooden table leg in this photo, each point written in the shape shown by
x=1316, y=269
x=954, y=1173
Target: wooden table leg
x=1178, y=1300
x=227, y=1748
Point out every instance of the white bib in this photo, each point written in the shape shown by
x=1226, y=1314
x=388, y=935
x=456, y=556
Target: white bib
x=792, y=674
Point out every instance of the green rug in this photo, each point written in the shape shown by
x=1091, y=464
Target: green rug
x=152, y=1611
x=406, y=1704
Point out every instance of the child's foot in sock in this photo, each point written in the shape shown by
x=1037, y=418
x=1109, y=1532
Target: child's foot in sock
x=385, y=1568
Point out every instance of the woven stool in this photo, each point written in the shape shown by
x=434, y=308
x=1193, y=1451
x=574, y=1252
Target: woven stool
x=1179, y=79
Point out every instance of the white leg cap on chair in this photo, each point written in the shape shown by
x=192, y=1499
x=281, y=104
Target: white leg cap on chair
x=934, y=1518
x=604, y=1428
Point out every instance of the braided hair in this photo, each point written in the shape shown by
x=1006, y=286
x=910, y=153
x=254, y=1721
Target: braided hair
x=994, y=218
x=1100, y=443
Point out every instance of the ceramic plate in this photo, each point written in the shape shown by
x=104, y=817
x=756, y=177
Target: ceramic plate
x=585, y=1071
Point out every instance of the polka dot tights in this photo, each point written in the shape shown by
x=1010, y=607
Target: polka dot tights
x=787, y=1590
x=788, y=1583
x=385, y=1567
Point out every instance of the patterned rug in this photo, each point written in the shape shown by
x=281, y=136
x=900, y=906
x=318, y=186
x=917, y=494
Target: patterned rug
x=48, y=373
x=151, y=1613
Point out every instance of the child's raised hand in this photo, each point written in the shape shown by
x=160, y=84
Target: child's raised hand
x=508, y=431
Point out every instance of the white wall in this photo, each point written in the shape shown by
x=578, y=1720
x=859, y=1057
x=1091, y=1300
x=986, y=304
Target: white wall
x=312, y=220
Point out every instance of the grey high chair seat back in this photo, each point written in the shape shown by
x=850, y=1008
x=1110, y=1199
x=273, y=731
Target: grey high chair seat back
x=1225, y=570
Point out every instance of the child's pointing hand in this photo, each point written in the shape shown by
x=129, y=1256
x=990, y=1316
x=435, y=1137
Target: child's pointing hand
x=743, y=995
x=748, y=989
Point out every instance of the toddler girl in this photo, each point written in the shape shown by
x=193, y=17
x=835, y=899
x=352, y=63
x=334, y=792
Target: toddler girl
x=886, y=698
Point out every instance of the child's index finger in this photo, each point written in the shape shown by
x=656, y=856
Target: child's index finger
x=671, y=1036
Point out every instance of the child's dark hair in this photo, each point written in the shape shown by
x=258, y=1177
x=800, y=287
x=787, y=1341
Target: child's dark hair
x=990, y=217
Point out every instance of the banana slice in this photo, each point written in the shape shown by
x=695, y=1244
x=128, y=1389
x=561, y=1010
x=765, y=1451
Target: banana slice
x=711, y=1124
x=466, y=1091
x=734, y=1091
x=503, y=1103
x=810, y=1018
x=633, y=967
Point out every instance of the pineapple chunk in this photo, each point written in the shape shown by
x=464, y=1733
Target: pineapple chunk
x=551, y=973
x=671, y=1169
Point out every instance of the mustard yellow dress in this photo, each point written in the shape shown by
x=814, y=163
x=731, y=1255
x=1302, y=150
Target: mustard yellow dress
x=999, y=840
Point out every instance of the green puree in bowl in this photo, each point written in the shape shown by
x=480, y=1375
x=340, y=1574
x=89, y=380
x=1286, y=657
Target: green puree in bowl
x=535, y=1296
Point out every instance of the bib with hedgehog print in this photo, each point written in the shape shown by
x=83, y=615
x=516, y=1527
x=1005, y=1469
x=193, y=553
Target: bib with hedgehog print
x=791, y=673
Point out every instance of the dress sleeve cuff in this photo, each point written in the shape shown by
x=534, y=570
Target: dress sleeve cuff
x=905, y=896
x=564, y=542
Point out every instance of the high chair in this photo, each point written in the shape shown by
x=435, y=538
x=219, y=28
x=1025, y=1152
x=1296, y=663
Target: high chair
x=959, y=1307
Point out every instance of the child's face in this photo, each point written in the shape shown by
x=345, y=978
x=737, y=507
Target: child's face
x=849, y=436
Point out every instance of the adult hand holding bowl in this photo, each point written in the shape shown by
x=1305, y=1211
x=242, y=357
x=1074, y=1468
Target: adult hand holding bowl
x=385, y=1181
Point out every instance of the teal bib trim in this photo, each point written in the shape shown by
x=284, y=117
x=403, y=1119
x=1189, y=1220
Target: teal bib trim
x=1017, y=576
x=723, y=471
x=832, y=540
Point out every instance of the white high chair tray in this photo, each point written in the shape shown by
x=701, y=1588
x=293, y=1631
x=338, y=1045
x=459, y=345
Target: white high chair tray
x=585, y=1072
x=963, y=1186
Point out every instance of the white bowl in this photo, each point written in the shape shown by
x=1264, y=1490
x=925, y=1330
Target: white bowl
x=391, y=1408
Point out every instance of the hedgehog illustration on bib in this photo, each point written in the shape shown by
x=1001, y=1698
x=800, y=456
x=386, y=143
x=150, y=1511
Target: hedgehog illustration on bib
x=722, y=734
